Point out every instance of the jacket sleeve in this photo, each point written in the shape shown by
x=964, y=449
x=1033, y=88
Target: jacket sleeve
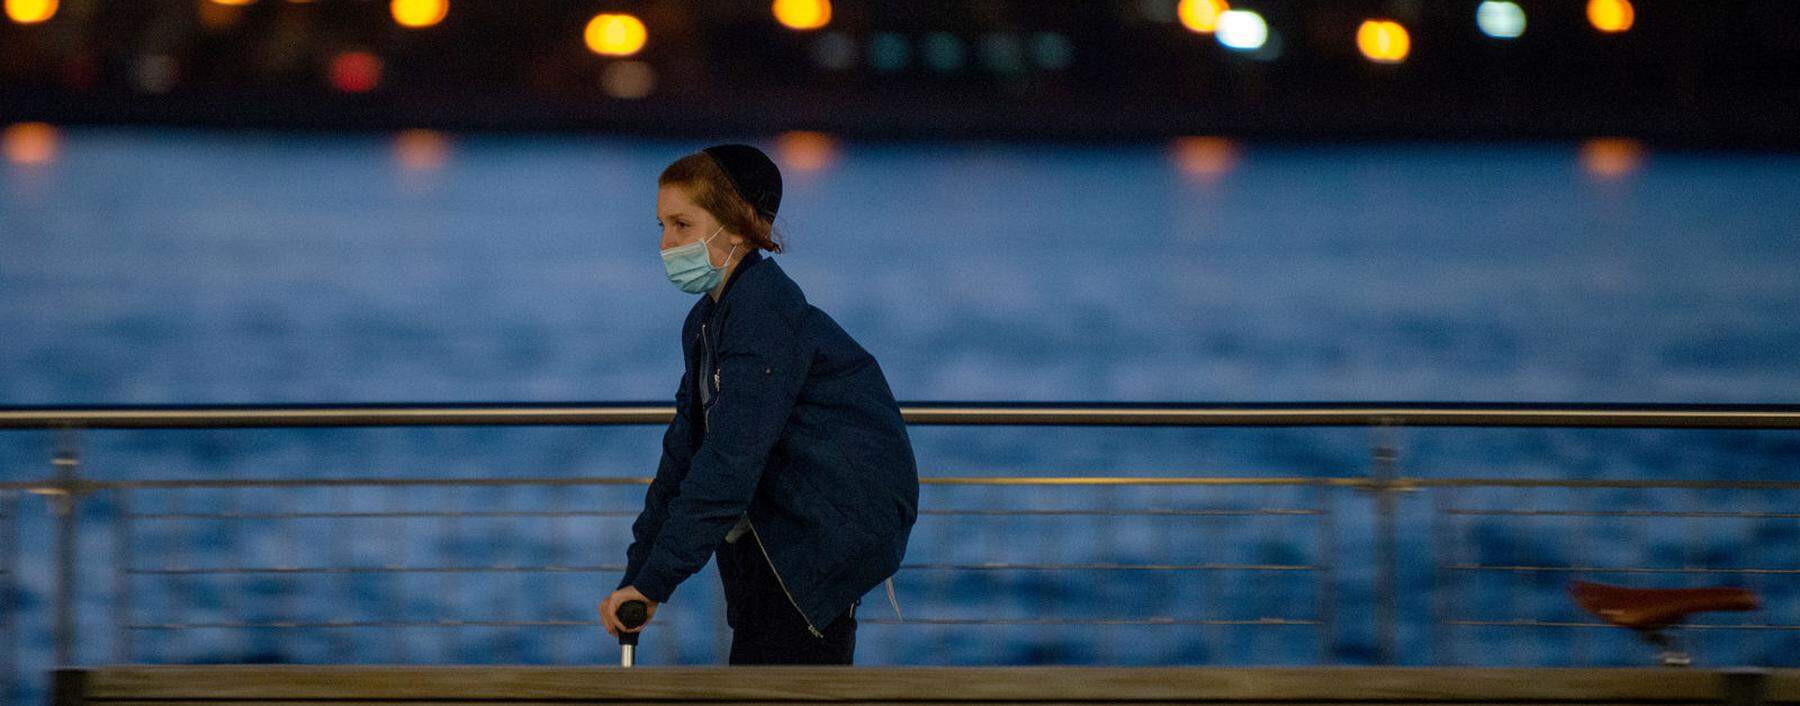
x=677, y=454
x=763, y=361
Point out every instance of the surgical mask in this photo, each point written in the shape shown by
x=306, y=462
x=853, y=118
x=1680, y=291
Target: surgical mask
x=690, y=266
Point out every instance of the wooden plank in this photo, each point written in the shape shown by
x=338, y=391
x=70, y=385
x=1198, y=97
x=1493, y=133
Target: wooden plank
x=435, y=702
x=1783, y=687
x=947, y=684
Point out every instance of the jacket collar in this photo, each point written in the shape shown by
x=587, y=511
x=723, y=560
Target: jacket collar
x=749, y=259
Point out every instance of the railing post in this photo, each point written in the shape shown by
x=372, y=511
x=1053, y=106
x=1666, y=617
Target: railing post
x=122, y=576
x=9, y=596
x=1387, y=560
x=1328, y=561
x=63, y=501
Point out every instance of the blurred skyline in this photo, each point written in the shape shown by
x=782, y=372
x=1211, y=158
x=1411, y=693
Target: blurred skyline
x=1675, y=73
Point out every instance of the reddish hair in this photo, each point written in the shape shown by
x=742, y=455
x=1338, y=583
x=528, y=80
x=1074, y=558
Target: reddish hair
x=709, y=187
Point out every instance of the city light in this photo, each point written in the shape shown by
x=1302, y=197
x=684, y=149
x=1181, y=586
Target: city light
x=805, y=151
x=1383, y=41
x=611, y=34
x=419, y=13
x=30, y=144
x=1205, y=158
x=628, y=79
x=419, y=150
x=1052, y=50
x=802, y=14
x=834, y=50
x=232, y=3
x=1611, y=15
x=355, y=71
x=1611, y=158
x=1500, y=20
x=942, y=51
x=155, y=73
x=888, y=52
x=27, y=12
x=217, y=16
x=1201, y=16
x=1003, y=52
x=1242, y=30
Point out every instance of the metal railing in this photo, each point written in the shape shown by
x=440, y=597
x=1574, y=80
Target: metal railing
x=1649, y=416
x=1457, y=519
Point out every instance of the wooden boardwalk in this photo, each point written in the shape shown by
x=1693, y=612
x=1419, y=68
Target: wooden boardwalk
x=1341, y=686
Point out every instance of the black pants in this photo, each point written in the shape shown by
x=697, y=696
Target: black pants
x=766, y=628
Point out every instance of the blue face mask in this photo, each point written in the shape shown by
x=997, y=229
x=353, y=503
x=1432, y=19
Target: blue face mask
x=690, y=266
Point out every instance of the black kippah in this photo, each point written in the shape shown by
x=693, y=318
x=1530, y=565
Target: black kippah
x=753, y=173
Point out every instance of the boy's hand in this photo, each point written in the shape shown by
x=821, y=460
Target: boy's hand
x=609, y=610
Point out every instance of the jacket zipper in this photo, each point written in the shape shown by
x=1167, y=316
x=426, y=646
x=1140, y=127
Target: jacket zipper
x=706, y=418
x=706, y=412
x=765, y=552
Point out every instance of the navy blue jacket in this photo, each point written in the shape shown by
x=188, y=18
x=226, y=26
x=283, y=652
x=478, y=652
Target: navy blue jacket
x=803, y=434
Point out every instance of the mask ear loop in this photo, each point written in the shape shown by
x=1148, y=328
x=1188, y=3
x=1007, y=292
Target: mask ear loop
x=706, y=244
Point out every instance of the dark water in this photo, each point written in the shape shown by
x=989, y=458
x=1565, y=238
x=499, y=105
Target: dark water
x=192, y=267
